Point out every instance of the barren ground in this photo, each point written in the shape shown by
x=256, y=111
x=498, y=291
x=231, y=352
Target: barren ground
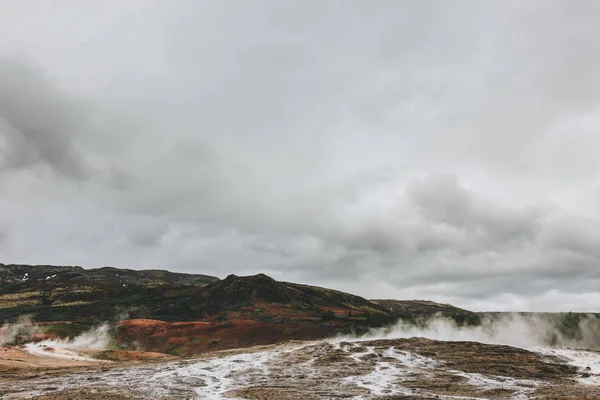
x=381, y=369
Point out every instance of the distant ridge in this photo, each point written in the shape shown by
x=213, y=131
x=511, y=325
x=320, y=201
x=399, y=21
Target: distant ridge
x=13, y=274
x=405, y=308
x=235, y=291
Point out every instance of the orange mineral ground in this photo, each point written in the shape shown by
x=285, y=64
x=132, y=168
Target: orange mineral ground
x=181, y=338
x=13, y=357
x=33, y=357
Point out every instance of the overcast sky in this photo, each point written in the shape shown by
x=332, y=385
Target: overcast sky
x=395, y=149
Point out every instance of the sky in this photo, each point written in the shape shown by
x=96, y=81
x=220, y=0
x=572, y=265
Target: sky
x=408, y=149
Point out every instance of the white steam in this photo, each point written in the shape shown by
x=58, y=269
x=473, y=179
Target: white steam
x=516, y=330
x=24, y=328
x=98, y=339
x=11, y=332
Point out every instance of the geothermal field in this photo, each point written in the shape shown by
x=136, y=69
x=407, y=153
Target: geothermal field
x=440, y=362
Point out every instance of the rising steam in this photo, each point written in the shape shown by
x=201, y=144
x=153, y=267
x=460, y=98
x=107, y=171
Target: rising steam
x=23, y=327
x=97, y=338
x=529, y=330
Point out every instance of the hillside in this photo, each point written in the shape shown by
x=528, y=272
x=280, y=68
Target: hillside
x=99, y=293
x=163, y=310
x=410, y=309
x=65, y=293
x=247, y=311
x=13, y=274
x=236, y=292
x=182, y=313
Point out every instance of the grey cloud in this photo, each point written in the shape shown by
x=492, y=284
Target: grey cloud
x=575, y=235
x=39, y=121
x=486, y=248
x=434, y=150
x=4, y=237
x=440, y=199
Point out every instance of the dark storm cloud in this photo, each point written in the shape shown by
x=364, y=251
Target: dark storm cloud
x=396, y=149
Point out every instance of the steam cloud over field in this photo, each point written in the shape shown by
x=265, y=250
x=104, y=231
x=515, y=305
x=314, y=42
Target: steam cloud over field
x=11, y=331
x=513, y=329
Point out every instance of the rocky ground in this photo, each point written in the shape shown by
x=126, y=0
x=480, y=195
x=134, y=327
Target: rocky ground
x=379, y=369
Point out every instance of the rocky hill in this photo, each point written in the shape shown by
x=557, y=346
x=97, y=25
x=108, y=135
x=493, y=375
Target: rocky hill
x=411, y=309
x=236, y=292
x=14, y=274
x=259, y=309
x=53, y=293
x=183, y=313
x=161, y=294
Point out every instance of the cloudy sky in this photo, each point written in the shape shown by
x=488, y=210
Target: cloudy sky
x=406, y=149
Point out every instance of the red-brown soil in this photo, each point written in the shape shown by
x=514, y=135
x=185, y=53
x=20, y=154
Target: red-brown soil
x=198, y=337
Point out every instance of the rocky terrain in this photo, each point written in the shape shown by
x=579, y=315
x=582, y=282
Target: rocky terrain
x=340, y=369
x=179, y=313
x=14, y=274
x=109, y=333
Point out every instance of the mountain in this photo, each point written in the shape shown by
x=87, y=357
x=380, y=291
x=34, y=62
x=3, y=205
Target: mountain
x=246, y=311
x=65, y=293
x=14, y=274
x=410, y=309
x=236, y=292
x=160, y=308
x=179, y=313
x=164, y=295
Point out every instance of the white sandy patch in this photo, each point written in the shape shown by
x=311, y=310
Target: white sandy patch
x=520, y=387
x=212, y=378
x=588, y=362
x=389, y=372
x=383, y=380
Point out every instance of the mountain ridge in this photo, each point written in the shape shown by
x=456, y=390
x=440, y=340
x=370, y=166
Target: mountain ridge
x=11, y=274
x=161, y=294
x=178, y=313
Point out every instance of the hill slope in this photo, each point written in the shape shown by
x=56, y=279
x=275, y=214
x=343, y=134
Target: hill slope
x=159, y=294
x=257, y=308
x=14, y=274
x=183, y=313
x=236, y=292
